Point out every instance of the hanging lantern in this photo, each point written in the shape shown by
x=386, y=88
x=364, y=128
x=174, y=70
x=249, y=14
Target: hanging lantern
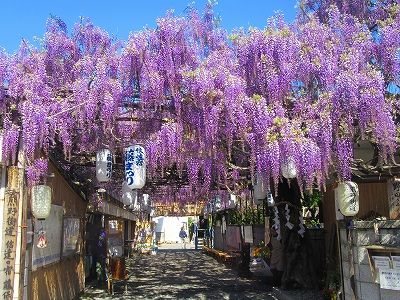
x=135, y=206
x=232, y=201
x=205, y=211
x=211, y=207
x=348, y=198
x=217, y=203
x=135, y=167
x=145, y=199
x=270, y=199
x=260, y=188
x=103, y=165
x=288, y=169
x=41, y=201
x=128, y=196
x=152, y=212
x=145, y=203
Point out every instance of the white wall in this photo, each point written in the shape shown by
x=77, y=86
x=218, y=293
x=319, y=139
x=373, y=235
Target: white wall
x=171, y=226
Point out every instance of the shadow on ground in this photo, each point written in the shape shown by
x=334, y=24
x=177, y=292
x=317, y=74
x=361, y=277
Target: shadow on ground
x=183, y=274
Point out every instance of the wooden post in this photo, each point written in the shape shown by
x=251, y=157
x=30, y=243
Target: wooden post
x=22, y=229
x=10, y=235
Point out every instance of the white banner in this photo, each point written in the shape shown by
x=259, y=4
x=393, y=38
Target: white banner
x=248, y=234
x=52, y=226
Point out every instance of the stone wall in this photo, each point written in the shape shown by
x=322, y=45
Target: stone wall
x=358, y=281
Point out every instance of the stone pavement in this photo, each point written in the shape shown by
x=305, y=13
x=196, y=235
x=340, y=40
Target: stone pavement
x=182, y=274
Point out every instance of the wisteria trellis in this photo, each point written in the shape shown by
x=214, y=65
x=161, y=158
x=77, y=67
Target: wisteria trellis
x=206, y=101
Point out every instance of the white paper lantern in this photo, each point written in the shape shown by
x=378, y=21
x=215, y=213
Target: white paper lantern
x=103, y=165
x=270, y=200
x=41, y=201
x=348, y=198
x=135, y=167
x=260, y=188
x=211, y=207
x=152, y=212
x=145, y=203
x=205, y=210
x=145, y=199
x=128, y=196
x=232, y=201
x=288, y=169
x=135, y=206
x=217, y=203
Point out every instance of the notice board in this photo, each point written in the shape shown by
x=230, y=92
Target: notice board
x=71, y=232
x=53, y=228
x=389, y=279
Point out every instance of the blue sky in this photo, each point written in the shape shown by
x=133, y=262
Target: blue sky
x=27, y=18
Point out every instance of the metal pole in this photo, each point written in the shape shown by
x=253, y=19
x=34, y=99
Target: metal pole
x=340, y=258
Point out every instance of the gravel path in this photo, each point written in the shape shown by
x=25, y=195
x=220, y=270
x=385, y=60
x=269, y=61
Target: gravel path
x=182, y=274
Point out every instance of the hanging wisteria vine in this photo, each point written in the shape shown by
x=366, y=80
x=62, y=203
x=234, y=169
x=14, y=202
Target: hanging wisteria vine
x=213, y=105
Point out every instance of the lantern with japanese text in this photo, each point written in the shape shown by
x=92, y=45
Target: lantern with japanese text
x=41, y=201
x=348, y=198
x=103, y=165
x=288, y=168
x=135, y=167
x=260, y=188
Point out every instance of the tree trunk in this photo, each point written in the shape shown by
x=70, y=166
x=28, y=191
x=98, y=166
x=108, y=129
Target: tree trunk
x=298, y=267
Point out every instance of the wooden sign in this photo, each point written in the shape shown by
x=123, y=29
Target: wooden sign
x=9, y=230
x=394, y=199
x=8, y=249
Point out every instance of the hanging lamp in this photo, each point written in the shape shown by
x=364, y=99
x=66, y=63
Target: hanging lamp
x=135, y=167
x=103, y=165
x=41, y=201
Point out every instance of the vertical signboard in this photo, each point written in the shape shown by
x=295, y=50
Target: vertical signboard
x=394, y=199
x=9, y=242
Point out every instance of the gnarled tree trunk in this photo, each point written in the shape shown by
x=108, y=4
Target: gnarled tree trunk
x=298, y=267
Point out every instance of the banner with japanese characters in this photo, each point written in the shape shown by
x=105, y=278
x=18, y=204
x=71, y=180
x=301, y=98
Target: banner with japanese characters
x=9, y=243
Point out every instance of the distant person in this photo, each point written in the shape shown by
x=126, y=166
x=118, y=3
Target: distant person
x=183, y=236
x=196, y=237
x=191, y=231
x=99, y=257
